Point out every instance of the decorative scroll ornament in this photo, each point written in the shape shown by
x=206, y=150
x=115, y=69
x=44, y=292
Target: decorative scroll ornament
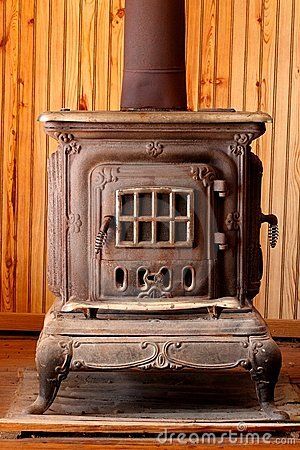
x=63, y=370
x=232, y=221
x=241, y=142
x=154, y=149
x=155, y=285
x=68, y=143
x=106, y=175
x=74, y=223
x=161, y=360
x=204, y=174
x=163, y=356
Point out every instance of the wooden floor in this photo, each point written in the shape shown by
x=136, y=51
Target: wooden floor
x=17, y=354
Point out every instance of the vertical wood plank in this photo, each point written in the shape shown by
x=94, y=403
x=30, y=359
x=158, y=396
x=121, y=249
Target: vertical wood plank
x=295, y=144
x=194, y=10
x=101, y=58
x=277, y=191
x=3, y=41
x=252, y=64
x=267, y=102
x=117, y=14
x=72, y=54
x=86, y=84
x=238, y=53
x=57, y=56
x=25, y=160
x=223, y=52
x=289, y=297
x=207, y=76
x=10, y=140
x=253, y=60
x=39, y=209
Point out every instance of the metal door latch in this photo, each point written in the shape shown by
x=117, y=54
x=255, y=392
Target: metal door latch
x=273, y=231
x=220, y=186
x=220, y=240
x=102, y=235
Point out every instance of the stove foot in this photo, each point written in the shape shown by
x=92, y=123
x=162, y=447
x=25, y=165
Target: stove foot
x=273, y=413
x=265, y=359
x=53, y=358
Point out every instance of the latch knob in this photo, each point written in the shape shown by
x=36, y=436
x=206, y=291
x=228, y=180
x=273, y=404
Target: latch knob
x=220, y=186
x=220, y=240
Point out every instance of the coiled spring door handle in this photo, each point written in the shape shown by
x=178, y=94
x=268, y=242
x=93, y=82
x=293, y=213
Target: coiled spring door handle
x=102, y=235
x=273, y=232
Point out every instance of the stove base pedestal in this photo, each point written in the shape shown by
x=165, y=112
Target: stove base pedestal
x=188, y=341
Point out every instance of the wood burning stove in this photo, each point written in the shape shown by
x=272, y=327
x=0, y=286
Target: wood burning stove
x=154, y=223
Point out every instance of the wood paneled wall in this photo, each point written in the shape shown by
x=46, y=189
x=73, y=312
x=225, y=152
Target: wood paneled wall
x=68, y=53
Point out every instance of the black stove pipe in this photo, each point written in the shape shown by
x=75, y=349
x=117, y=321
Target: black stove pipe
x=154, y=55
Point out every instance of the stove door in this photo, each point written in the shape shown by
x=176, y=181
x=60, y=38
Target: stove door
x=159, y=224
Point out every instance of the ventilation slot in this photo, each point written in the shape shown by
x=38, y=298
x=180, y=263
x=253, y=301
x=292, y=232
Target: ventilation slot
x=121, y=278
x=140, y=277
x=166, y=277
x=188, y=278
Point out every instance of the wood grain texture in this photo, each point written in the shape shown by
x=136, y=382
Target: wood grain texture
x=61, y=53
x=10, y=45
x=265, y=147
x=208, y=52
x=279, y=173
x=25, y=159
x=40, y=152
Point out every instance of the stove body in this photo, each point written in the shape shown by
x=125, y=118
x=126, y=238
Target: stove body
x=153, y=227
x=168, y=282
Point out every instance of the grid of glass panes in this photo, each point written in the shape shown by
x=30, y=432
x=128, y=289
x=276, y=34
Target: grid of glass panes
x=154, y=217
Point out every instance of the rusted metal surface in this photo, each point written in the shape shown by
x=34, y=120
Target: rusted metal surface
x=70, y=343
x=163, y=117
x=175, y=198
x=150, y=300
x=154, y=66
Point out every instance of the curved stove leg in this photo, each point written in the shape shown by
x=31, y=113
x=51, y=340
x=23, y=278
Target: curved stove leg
x=265, y=358
x=53, y=358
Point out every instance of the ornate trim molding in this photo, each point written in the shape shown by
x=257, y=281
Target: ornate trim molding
x=106, y=175
x=204, y=174
x=68, y=143
x=160, y=358
x=63, y=370
x=240, y=144
x=154, y=149
x=232, y=221
x=74, y=223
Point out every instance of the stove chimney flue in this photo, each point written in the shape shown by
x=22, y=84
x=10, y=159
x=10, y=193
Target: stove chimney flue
x=154, y=55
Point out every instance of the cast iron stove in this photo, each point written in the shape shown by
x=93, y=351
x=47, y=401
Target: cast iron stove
x=154, y=223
